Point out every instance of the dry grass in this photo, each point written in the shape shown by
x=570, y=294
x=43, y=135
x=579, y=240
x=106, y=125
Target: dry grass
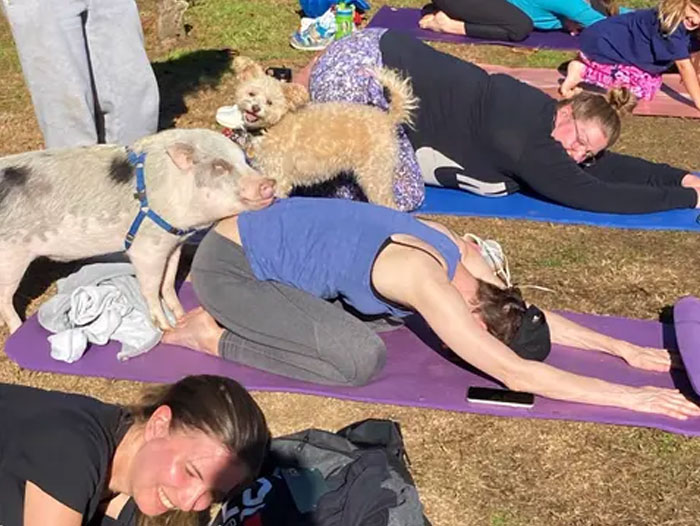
x=471, y=470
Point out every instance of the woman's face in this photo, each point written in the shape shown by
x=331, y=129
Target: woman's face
x=582, y=139
x=180, y=469
x=691, y=21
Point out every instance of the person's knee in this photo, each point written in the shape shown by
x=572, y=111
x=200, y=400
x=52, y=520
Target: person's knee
x=368, y=363
x=520, y=29
x=358, y=365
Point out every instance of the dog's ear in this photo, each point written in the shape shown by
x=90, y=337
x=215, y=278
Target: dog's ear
x=296, y=95
x=246, y=68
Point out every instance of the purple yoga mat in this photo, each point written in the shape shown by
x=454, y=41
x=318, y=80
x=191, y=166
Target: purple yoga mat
x=415, y=374
x=686, y=319
x=406, y=20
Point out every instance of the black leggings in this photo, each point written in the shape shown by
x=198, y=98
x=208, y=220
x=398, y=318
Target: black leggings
x=492, y=19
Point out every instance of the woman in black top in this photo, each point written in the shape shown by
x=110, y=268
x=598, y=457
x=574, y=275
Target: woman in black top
x=494, y=135
x=71, y=460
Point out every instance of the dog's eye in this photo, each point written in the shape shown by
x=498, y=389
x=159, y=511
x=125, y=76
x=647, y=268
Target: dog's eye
x=251, y=94
x=269, y=103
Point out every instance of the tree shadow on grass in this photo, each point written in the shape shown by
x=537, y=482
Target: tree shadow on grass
x=177, y=77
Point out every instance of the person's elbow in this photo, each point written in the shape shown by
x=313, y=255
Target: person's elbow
x=518, y=376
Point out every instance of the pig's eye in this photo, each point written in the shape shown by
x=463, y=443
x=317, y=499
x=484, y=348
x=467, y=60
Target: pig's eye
x=220, y=166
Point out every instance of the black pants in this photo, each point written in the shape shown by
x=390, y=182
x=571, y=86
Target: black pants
x=492, y=19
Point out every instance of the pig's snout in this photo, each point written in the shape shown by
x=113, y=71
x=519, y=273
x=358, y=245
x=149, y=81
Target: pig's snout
x=267, y=188
x=256, y=192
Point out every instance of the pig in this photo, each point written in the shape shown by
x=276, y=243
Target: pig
x=74, y=203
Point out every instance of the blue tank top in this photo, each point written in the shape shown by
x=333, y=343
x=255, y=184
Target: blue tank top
x=327, y=247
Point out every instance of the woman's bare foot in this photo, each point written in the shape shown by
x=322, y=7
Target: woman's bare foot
x=426, y=21
x=574, y=75
x=196, y=330
x=441, y=23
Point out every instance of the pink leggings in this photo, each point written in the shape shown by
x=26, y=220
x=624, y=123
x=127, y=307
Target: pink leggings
x=643, y=84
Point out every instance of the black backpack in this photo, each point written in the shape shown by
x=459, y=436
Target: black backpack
x=355, y=477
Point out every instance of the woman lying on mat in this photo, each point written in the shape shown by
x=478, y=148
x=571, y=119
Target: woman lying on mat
x=493, y=135
x=70, y=460
x=510, y=20
x=265, y=275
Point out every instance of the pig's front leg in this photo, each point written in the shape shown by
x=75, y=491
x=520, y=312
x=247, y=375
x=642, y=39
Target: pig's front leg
x=14, y=261
x=149, y=259
x=168, y=287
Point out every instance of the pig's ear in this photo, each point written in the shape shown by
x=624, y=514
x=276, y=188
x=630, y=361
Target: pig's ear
x=296, y=95
x=182, y=154
x=246, y=68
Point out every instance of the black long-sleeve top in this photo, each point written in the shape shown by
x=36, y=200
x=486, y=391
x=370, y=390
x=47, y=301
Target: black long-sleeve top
x=491, y=134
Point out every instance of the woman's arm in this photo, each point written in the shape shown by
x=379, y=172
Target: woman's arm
x=567, y=332
x=414, y=278
x=446, y=313
x=690, y=79
x=41, y=509
x=548, y=170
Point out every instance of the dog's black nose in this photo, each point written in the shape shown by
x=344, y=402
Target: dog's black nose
x=255, y=108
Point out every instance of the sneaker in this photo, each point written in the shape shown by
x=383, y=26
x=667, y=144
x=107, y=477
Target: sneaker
x=315, y=34
x=492, y=252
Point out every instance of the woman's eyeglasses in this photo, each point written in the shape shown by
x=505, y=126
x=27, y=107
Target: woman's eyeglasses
x=579, y=144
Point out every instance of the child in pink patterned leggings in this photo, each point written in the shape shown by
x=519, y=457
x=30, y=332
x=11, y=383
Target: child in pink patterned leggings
x=634, y=49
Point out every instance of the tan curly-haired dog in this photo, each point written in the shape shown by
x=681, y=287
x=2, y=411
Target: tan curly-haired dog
x=313, y=143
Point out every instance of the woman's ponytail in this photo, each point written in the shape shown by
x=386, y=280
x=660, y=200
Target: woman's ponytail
x=622, y=100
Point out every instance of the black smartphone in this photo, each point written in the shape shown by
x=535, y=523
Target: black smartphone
x=504, y=397
x=283, y=74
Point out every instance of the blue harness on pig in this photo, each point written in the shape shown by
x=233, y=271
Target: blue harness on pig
x=145, y=211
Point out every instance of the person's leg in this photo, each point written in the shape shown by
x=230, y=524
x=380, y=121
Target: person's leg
x=619, y=168
x=496, y=19
x=127, y=91
x=50, y=40
x=275, y=327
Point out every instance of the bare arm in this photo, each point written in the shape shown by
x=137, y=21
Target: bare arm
x=447, y=313
x=563, y=330
x=41, y=509
x=690, y=79
x=567, y=332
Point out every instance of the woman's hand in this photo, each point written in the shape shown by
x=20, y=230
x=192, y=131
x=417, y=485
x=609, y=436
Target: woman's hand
x=668, y=402
x=573, y=28
x=651, y=359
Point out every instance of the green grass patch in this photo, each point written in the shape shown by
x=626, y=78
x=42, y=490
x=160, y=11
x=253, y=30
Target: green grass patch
x=258, y=28
x=503, y=518
x=564, y=257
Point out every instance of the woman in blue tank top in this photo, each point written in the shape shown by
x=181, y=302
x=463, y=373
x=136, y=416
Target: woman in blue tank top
x=266, y=276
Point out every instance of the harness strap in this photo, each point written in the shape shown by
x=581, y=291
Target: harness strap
x=137, y=160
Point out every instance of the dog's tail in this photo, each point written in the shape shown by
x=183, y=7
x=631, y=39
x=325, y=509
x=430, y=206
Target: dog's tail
x=402, y=102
